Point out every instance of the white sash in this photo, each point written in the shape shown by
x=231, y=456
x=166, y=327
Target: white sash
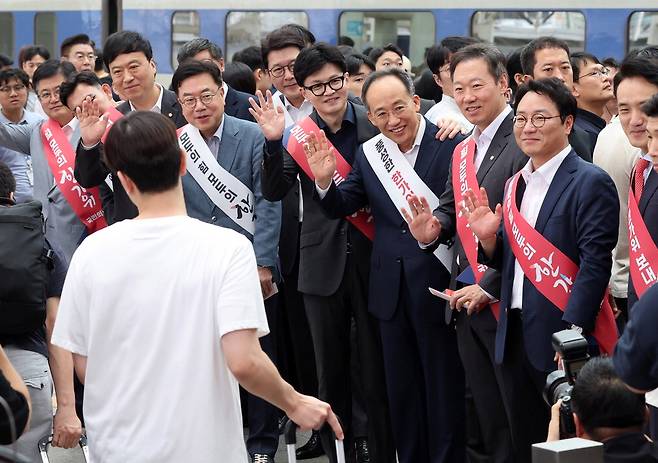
x=400, y=181
x=277, y=102
x=224, y=190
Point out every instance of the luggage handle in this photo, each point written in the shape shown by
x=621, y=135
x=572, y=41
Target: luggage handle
x=290, y=436
x=45, y=441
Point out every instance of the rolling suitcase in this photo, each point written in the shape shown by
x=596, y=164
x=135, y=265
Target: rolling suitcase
x=290, y=436
x=45, y=442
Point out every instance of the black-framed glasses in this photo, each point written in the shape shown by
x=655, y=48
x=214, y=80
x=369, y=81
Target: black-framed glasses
x=205, y=98
x=537, y=120
x=335, y=84
x=602, y=72
x=279, y=71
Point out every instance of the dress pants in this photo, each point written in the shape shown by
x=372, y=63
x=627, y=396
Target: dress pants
x=488, y=436
x=425, y=383
x=330, y=318
x=264, y=417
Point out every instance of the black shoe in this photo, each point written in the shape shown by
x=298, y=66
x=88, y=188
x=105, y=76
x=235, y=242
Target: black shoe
x=311, y=449
x=261, y=458
x=282, y=423
x=362, y=453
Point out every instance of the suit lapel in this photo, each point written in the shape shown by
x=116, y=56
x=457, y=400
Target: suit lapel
x=231, y=99
x=498, y=144
x=426, y=152
x=228, y=147
x=561, y=181
x=170, y=108
x=650, y=188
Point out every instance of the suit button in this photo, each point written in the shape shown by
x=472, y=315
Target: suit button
x=398, y=260
x=404, y=231
x=213, y=218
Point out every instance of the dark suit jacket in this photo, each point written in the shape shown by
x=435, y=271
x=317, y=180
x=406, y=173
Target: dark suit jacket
x=91, y=171
x=649, y=209
x=396, y=256
x=322, y=242
x=426, y=105
x=580, y=216
x=289, y=238
x=502, y=160
x=237, y=105
x=581, y=143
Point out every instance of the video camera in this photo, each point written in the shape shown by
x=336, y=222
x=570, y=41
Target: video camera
x=573, y=349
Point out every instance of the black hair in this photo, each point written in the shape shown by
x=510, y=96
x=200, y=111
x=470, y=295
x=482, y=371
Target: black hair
x=491, y=55
x=30, y=51
x=610, y=62
x=438, y=55
x=346, y=50
x=426, y=86
x=7, y=184
x=51, y=68
x=394, y=71
x=555, y=90
x=191, y=68
x=529, y=52
x=279, y=39
x=154, y=158
x=644, y=68
x=513, y=67
x=251, y=56
x=5, y=61
x=196, y=46
x=302, y=32
x=649, y=52
x=68, y=86
x=99, y=65
x=650, y=107
x=78, y=39
x=355, y=61
x=377, y=53
x=310, y=60
x=121, y=43
x=345, y=40
x=578, y=60
x=240, y=77
x=14, y=73
x=602, y=400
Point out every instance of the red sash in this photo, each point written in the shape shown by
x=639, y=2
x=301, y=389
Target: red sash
x=549, y=270
x=85, y=203
x=463, y=179
x=113, y=115
x=642, y=249
x=296, y=137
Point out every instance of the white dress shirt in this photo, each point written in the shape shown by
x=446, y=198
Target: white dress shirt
x=447, y=107
x=483, y=138
x=537, y=184
x=157, y=108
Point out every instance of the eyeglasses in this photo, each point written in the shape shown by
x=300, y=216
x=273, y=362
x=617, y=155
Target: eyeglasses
x=537, y=120
x=321, y=87
x=397, y=111
x=84, y=57
x=279, y=71
x=12, y=88
x=205, y=98
x=48, y=94
x=603, y=72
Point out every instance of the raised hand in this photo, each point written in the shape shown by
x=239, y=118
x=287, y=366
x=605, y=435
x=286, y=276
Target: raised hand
x=481, y=219
x=269, y=117
x=449, y=128
x=424, y=226
x=321, y=159
x=93, y=122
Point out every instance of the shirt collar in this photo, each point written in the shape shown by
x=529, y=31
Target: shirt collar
x=489, y=132
x=225, y=88
x=4, y=119
x=349, y=116
x=548, y=170
x=220, y=129
x=419, y=134
x=289, y=106
x=73, y=124
x=158, y=104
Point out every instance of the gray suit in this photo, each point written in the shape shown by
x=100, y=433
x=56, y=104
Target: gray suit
x=64, y=229
x=240, y=153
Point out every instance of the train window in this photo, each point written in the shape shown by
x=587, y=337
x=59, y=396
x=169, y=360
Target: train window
x=45, y=32
x=247, y=28
x=412, y=31
x=642, y=29
x=509, y=30
x=7, y=34
x=185, y=26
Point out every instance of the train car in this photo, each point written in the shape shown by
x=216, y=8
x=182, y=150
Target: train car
x=603, y=27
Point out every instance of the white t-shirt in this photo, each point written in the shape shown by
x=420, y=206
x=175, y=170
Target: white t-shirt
x=147, y=302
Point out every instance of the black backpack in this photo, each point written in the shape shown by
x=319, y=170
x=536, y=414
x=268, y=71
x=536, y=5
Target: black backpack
x=25, y=263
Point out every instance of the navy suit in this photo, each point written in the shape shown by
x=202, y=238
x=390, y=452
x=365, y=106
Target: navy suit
x=423, y=371
x=579, y=216
x=237, y=105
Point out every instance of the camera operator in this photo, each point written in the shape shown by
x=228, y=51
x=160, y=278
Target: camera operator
x=607, y=411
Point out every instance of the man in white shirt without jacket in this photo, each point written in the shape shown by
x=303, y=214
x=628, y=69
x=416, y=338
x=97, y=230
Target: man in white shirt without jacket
x=163, y=314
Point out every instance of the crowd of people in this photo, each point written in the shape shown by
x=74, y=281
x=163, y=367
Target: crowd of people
x=277, y=222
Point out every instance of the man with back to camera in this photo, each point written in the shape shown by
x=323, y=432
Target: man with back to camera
x=553, y=250
x=79, y=51
x=236, y=103
x=107, y=334
x=606, y=410
x=253, y=57
x=129, y=59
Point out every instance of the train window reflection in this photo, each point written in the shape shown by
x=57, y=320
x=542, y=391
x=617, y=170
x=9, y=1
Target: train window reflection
x=509, y=30
x=247, y=28
x=412, y=31
x=45, y=32
x=642, y=29
x=7, y=34
x=184, y=27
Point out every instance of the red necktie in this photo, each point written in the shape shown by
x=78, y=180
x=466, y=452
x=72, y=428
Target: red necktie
x=638, y=177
